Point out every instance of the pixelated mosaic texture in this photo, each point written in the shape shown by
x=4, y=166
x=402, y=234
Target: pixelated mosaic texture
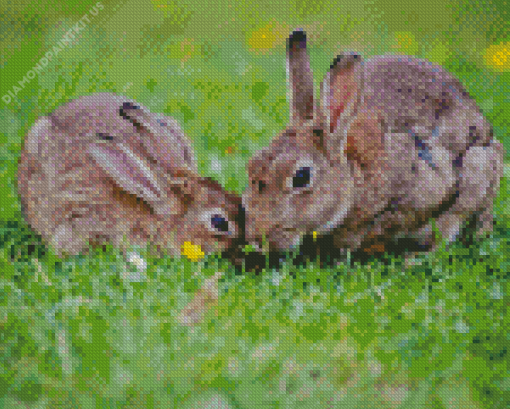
x=106, y=330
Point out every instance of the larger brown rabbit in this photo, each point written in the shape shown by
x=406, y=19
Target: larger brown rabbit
x=393, y=143
x=104, y=168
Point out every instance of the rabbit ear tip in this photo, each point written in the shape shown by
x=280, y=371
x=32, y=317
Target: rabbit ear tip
x=297, y=38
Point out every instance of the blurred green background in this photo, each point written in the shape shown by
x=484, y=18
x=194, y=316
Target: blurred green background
x=97, y=331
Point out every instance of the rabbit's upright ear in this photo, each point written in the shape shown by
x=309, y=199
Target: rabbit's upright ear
x=299, y=78
x=133, y=174
x=162, y=137
x=340, y=91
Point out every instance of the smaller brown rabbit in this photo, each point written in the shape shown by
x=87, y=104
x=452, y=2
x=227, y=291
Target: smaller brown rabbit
x=104, y=168
x=394, y=143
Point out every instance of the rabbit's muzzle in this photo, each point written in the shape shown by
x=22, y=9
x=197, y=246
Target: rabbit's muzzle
x=263, y=231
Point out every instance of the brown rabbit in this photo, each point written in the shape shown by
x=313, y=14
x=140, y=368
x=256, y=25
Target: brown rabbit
x=104, y=168
x=394, y=142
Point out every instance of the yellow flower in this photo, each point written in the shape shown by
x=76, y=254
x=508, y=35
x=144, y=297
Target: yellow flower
x=405, y=43
x=315, y=235
x=497, y=56
x=192, y=251
x=267, y=37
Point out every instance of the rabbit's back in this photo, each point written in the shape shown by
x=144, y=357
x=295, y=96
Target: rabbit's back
x=60, y=184
x=423, y=98
x=98, y=114
x=411, y=88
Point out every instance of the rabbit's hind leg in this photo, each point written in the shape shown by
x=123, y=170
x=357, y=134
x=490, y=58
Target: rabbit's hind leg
x=425, y=239
x=482, y=168
x=449, y=224
x=79, y=228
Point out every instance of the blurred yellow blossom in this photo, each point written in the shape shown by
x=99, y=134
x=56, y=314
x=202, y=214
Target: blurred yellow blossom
x=405, y=43
x=267, y=37
x=192, y=251
x=497, y=56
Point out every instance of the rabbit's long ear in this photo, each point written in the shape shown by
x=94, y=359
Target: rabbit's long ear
x=133, y=174
x=299, y=78
x=340, y=91
x=162, y=137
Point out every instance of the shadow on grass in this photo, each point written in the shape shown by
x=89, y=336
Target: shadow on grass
x=322, y=252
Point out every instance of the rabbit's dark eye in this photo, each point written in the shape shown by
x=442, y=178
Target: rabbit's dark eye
x=262, y=186
x=219, y=223
x=301, y=178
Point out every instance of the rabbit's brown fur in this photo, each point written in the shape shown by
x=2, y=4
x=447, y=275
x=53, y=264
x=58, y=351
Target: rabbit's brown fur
x=394, y=143
x=102, y=168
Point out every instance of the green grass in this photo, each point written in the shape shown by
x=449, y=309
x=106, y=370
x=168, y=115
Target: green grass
x=95, y=329
x=98, y=331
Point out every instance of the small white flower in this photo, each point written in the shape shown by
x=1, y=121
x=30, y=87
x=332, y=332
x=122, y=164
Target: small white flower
x=380, y=293
x=277, y=279
x=139, y=262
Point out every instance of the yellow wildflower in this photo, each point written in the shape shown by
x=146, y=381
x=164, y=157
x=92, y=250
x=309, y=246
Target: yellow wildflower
x=497, y=56
x=267, y=37
x=192, y=251
x=405, y=43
